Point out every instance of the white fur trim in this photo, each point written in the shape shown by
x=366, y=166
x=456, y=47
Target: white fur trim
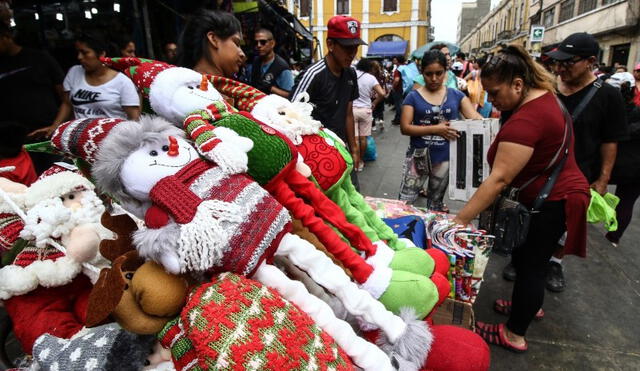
x=16, y=280
x=55, y=185
x=383, y=256
x=378, y=281
x=17, y=198
x=364, y=354
x=328, y=275
x=413, y=344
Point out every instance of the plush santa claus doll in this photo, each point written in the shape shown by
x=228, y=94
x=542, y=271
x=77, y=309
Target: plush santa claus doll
x=47, y=283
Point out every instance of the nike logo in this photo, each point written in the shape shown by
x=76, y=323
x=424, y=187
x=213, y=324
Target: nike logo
x=7, y=74
x=81, y=102
x=85, y=97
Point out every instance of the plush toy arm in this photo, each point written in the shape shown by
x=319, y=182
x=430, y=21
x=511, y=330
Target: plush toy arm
x=160, y=245
x=220, y=145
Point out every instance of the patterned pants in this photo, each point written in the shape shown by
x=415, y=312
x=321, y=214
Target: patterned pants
x=420, y=173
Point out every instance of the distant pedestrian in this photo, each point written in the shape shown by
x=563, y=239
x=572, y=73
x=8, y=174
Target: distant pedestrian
x=127, y=48
x=426, y=113
x=396, y=86
x=30, y=75
x=363, y=107
x=450, y=80
x=636, y=87
x=378, y=109
x=95, y=90
x=268, y=71
x=598, y=127
x=626, y=171
x=170, y=52
x=332, y=84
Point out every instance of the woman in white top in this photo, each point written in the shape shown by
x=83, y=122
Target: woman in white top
x=94, y=90
x=363, y=106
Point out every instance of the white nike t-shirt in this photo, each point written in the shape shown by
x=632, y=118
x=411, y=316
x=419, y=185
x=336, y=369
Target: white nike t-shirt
x=105, y=100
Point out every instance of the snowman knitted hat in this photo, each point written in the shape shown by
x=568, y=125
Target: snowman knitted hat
x=81, y=138
x=56, y=181
x=157, y=82
x=235, y=323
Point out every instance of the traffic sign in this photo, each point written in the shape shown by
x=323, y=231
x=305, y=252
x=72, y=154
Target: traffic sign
x=537, y=33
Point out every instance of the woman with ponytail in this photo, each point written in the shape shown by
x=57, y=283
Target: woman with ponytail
x=523, y=156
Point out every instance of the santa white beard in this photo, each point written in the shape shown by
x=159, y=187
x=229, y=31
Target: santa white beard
x=51, y=219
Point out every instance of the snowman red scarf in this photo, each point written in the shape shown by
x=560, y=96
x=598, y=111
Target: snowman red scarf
x=200, y=190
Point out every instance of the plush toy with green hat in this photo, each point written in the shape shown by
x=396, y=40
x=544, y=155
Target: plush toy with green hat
x=173, y=92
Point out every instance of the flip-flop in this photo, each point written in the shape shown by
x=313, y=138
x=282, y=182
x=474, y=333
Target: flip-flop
x=494, y=334
x=504, y=307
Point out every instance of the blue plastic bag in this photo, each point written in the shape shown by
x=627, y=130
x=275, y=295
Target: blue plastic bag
x=371, y=154
x=411, y=227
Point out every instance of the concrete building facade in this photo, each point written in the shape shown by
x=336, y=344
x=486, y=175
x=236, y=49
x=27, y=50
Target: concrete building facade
x=382, y=20
x=614, y=23
x=470, y=14
x=507, y=23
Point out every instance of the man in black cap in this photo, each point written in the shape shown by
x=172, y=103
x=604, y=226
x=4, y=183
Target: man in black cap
x=331, y=82
x=599, y=122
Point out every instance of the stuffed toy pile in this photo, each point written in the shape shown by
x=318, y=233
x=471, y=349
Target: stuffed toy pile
x=187, y=99
x=206, y=196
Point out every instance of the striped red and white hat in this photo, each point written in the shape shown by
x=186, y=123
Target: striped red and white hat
x=81, y=138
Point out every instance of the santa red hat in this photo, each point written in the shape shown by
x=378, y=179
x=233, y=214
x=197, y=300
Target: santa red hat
x=56, y=181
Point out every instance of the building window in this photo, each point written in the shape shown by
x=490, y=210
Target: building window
x=548, y=17
x=607, y=2
x=566, y=10
x=342, y=6
x=304, y=7
x=390, y=6
x=587, y=5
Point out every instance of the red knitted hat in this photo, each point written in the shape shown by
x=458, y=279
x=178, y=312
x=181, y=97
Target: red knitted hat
x=246, y=96
x=81, y=138
x=142, y=71
x=235, y=323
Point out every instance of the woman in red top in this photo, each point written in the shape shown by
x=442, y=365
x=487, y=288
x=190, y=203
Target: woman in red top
x=524, y=147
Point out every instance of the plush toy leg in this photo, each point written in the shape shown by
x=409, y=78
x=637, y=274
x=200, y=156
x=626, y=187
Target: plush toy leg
x=354, y=216
x=411, y=290
x=363, y=353
x=382, y=229
x=406, y=337
x=410, y=259
x=330, y=212
x=441, y=261
x=338, y=248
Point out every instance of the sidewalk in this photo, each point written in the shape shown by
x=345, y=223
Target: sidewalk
x=592, y=325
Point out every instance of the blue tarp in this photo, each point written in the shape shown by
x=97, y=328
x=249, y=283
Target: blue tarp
x=387, y=48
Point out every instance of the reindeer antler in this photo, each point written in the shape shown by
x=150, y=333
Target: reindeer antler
x=123, y=226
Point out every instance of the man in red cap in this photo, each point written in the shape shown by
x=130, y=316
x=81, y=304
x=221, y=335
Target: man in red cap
x=331, y=82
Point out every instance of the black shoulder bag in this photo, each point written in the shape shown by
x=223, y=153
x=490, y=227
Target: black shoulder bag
x=508, y=219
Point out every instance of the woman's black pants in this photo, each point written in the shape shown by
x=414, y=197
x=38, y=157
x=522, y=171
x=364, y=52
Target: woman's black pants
x=531, y=261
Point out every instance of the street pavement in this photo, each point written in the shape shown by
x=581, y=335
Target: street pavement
x=592, y=325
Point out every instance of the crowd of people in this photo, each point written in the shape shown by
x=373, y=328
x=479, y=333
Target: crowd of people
x=600, y=132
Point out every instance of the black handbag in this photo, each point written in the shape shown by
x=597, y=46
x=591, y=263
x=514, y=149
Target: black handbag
x=508, y=219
